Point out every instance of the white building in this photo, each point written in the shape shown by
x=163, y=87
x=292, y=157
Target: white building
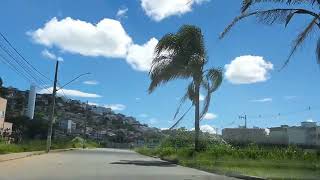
x=308, y=134
x=68, y=125
x=100, y=110
x=31, y=102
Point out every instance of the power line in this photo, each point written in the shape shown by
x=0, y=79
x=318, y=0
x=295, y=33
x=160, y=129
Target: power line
x=285, y=114
x=25, y=69
x=29, y=72
x=24, y=58
x=13, y=68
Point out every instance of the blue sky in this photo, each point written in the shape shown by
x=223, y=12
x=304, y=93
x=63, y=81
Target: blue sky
x=113, y=40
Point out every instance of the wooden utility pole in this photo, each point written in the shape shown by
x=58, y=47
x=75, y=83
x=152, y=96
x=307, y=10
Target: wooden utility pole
x=85, y=125
x=51, y=117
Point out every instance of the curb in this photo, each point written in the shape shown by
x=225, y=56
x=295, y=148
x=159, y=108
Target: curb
x=228, y=174
x=14, y=156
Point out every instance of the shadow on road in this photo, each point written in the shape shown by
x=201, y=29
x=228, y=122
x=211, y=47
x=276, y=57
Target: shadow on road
x=146, y=163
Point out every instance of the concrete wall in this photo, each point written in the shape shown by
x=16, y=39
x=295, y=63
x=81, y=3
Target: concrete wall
x=7, y=127
x=278, y=136
x=4, y=126
x=244, y=135
x=297, y=135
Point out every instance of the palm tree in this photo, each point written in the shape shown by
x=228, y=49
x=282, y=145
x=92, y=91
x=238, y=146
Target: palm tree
x=182, y=55
x=283, y=16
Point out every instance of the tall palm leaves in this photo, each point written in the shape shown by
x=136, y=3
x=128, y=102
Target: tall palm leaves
x=182, y=56
x=283, y=16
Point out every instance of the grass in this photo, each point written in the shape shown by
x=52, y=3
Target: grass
x=40, y=145
x=265, y=162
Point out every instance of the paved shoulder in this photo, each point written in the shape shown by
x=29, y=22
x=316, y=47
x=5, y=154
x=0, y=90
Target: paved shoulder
x=98, y=164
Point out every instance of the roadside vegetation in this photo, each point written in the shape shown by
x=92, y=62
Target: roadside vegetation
x=40, y=145
x=31, y=135
x=219, y=157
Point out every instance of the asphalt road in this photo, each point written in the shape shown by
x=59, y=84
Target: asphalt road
x=98, y=164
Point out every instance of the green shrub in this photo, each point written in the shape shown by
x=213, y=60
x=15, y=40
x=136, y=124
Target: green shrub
x=166, y=151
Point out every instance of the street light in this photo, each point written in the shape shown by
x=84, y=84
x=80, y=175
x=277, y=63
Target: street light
x=54, y=92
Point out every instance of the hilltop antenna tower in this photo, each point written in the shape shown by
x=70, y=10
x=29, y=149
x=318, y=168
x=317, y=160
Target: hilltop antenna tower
x=245, y=120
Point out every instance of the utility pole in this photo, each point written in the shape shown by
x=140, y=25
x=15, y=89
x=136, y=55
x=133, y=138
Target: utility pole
x=85, y=125
x=245, y=120
x=51, y=117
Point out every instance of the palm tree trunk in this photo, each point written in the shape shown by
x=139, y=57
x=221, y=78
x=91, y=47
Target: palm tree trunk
x=197, y=118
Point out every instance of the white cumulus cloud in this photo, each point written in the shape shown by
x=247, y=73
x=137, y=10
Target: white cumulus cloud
x=140, y=56
x=262, y=100
x=47, y=54
x=122, y=12
x=69, y=92
x=91, y=82
x=161, y=9
x=248, y=69
x=207, y=128
x=106, y=39
x=210, y=116
x=116, y=107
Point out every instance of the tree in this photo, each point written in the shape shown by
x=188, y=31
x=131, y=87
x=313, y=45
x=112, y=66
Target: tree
x=183, y=56
x=283, y=16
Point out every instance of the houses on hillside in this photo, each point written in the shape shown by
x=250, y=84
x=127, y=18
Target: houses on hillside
x=73, y=116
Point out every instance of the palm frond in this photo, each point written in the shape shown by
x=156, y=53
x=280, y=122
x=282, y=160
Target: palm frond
x=206, y=104
x=269, y=17
x=246, y=4
x=211, y=82
x=281, y=15
x=167, y=43
x=234, y=22
x=215, y=77
x=191, y=92
x=300, y=39
x=183, y=99
x=180, y=119
x=165, y=71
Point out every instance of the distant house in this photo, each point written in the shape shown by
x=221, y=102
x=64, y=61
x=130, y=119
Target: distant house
x=68, y=126
x=100, y=110
x=5, y=127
